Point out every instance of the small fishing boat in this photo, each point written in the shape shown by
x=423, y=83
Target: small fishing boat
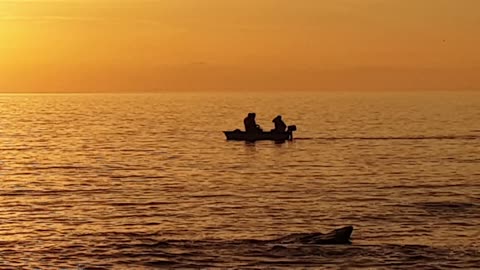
x=238, y=135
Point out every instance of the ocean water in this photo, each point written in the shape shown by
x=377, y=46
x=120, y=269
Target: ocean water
x=148, y=181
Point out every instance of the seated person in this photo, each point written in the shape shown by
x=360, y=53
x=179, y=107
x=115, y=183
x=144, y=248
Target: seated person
x=280, y=126
x=250, y=124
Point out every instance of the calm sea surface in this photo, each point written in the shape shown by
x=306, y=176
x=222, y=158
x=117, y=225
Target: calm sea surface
x=148, y=181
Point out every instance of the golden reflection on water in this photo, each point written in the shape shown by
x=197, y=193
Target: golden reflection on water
x=98, y=171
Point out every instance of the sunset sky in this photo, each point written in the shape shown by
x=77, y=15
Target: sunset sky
x=238, y=45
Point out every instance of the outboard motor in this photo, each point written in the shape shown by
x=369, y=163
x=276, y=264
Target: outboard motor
x=290, y=131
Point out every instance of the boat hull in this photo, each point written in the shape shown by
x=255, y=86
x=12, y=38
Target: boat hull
x=239, y=135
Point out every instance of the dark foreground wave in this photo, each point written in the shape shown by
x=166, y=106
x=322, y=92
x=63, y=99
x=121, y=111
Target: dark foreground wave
x=124, y=250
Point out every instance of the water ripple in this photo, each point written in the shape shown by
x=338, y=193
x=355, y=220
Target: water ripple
x=149, y=181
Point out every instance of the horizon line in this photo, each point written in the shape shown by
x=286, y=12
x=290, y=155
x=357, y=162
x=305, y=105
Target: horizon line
x=235, y=91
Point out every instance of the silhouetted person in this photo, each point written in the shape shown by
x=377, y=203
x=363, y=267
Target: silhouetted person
x=280, y=126
x=250, y=124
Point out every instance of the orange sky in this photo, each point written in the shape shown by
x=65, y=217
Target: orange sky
x=140, y=45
